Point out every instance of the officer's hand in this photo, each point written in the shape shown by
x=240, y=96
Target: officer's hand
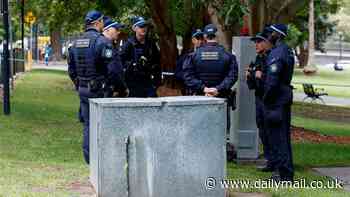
x=124, y=94
x=247, y=74
x=127, y=92
x=207, y=91
x=76, y=83
x=258, y=74
x=214, y=91
x=211, y=92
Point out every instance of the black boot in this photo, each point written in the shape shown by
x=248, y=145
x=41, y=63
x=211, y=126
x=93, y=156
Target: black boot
x=265, y=168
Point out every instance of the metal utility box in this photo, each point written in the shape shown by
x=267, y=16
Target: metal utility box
x=156, y=147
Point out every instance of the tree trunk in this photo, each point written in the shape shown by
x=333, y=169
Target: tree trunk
x=55, y=39
x=187, y=37
x=162, y=18
x=224, y=36
x=166, y=31
x=257, y=17
x=264, y=12
x=303, y=55
x=311, y=45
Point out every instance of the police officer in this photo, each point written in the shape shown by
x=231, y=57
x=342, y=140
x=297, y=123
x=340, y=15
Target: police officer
x=197, y=41
x=141, y=60
x=255, y=80
x=278, y=98
x=210, y=70
x=90, y=67
x=111, y=31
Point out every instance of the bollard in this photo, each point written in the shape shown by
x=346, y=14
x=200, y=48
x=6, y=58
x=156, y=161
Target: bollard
x=244, y=132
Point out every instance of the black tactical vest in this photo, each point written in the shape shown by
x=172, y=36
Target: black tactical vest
x=86, y=56
x=210, y=64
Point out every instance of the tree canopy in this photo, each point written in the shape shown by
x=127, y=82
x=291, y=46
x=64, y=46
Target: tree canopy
x=171, y=18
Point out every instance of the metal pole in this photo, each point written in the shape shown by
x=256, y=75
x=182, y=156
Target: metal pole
x=22, y=35
x=37, y=43
x=341, y=46
x=6, y=60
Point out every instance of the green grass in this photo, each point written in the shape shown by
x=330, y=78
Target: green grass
x=40, y=143
x=325, y=76
x=306, y=156
x=322, y=126
x=240, y=172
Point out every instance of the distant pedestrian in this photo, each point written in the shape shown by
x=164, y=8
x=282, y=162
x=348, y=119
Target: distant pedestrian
x=48, y=52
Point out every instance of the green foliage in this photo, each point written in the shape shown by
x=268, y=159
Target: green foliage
x=295, y=36
x=324, y=27
x=232, y=11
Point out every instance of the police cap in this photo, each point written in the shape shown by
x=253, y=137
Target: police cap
x=93, y=16
x=260, y=37
x=280, y=28
x=139, y=21
x=210, y=29
x=197, y=33
x=108, y=23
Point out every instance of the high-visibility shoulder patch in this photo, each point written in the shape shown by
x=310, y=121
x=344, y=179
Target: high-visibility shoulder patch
x=82, y=43
x=273, y=68
x=210, y=55
x=108, y=53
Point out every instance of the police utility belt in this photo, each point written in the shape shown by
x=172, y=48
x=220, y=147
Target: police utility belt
x=94, y=85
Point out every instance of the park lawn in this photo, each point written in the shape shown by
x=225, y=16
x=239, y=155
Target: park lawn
x=306, y=156
x=322, y=126
x=40, y=145
x=325, y=75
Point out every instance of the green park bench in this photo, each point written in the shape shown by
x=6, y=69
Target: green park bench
x=313, y=93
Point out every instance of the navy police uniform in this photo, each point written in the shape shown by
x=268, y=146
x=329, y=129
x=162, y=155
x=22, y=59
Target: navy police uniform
x=210, y=66
x=116, y=88
x=91, y=68
x=258, y=86
x=278, y=98
x=141, y=63
x=179, y=71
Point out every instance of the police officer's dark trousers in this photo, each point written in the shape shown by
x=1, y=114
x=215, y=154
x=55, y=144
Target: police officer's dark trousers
x=85, y=95
x=277, y=120
x=259, y=106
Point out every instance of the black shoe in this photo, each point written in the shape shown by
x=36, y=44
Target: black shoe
x=275, y=176
x=264, y=168
x=287, y=178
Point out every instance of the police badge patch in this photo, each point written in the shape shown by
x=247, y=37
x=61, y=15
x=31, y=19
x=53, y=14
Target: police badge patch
x=82, y=43
x=210, y=55
x=273, y=68
x=108, y=53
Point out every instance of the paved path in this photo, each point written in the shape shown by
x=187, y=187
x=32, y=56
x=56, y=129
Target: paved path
x=329, y=100
x=341, y=174
x=297, y=96
x=62, y=65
